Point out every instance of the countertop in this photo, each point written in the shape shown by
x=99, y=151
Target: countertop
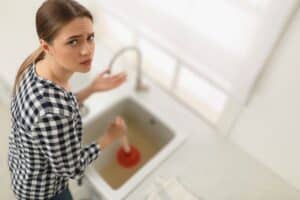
x=207, y=163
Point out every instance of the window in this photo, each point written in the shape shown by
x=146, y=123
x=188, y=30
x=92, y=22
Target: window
x=200, y=94
x=224, y=43
x=157, y=63
x=230, y=37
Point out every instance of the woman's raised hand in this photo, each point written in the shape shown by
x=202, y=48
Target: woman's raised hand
x=104, y=81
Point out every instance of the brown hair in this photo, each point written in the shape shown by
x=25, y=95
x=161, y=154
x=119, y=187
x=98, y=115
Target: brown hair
x=51, y=16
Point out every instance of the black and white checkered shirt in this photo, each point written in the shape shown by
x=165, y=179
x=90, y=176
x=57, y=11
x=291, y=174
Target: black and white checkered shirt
x=45, y=147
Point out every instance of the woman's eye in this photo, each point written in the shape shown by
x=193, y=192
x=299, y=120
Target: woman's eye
x=91, y=38
x=73, y=42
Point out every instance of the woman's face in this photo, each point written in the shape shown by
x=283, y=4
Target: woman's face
x=73, y=47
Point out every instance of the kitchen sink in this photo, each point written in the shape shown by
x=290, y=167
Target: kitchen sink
x=147, y=131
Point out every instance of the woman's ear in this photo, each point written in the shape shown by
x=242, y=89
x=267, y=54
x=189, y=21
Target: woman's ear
x=44, y=45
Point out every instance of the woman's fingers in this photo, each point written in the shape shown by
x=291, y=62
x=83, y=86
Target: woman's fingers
x=116, y=81
x=120, y=122
x=118, y=76
x=106, y=71
x=117, y=121
x=105, y=82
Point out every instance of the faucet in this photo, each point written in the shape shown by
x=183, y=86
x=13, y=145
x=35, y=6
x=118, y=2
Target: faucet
x=139, y=86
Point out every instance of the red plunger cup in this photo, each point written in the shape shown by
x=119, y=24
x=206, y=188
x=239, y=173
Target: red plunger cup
x=127, y=155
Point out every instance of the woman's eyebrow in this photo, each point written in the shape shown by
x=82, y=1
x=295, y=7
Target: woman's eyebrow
x=78, y=36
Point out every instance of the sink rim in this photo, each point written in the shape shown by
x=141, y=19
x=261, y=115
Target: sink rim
x=103, y=188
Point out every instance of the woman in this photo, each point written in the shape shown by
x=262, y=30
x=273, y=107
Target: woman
x=45, y=148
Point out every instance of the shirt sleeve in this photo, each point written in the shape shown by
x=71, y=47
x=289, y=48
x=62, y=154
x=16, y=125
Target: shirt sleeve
x=60, y=142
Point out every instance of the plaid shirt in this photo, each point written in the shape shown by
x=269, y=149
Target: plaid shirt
x=45, y=142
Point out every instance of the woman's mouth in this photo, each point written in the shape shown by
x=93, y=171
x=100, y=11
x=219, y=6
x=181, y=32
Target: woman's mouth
x=86, y=62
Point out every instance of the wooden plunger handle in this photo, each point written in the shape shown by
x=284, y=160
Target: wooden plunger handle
x=125, y=144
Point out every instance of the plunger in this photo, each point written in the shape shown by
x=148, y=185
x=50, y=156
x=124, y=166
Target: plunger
x=128, y=156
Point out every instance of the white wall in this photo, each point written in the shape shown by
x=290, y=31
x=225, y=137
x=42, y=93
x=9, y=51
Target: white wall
x=269, y=128
x=18, y=35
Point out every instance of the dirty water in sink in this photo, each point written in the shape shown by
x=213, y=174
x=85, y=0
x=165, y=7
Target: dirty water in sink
x=116, y=175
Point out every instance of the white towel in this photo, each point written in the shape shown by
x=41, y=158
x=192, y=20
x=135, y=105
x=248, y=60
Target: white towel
x=170, y=189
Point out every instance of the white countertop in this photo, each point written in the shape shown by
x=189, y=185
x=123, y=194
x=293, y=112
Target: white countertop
x=207, y=164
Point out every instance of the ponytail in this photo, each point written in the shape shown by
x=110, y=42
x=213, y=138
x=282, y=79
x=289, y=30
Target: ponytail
x=37, y=55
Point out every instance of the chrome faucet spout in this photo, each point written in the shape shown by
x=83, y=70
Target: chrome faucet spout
x=139, y=86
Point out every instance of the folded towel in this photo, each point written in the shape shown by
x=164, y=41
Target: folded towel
x=170, y=189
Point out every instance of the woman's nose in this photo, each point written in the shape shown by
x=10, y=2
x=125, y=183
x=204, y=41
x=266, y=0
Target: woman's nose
x=86, y=49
